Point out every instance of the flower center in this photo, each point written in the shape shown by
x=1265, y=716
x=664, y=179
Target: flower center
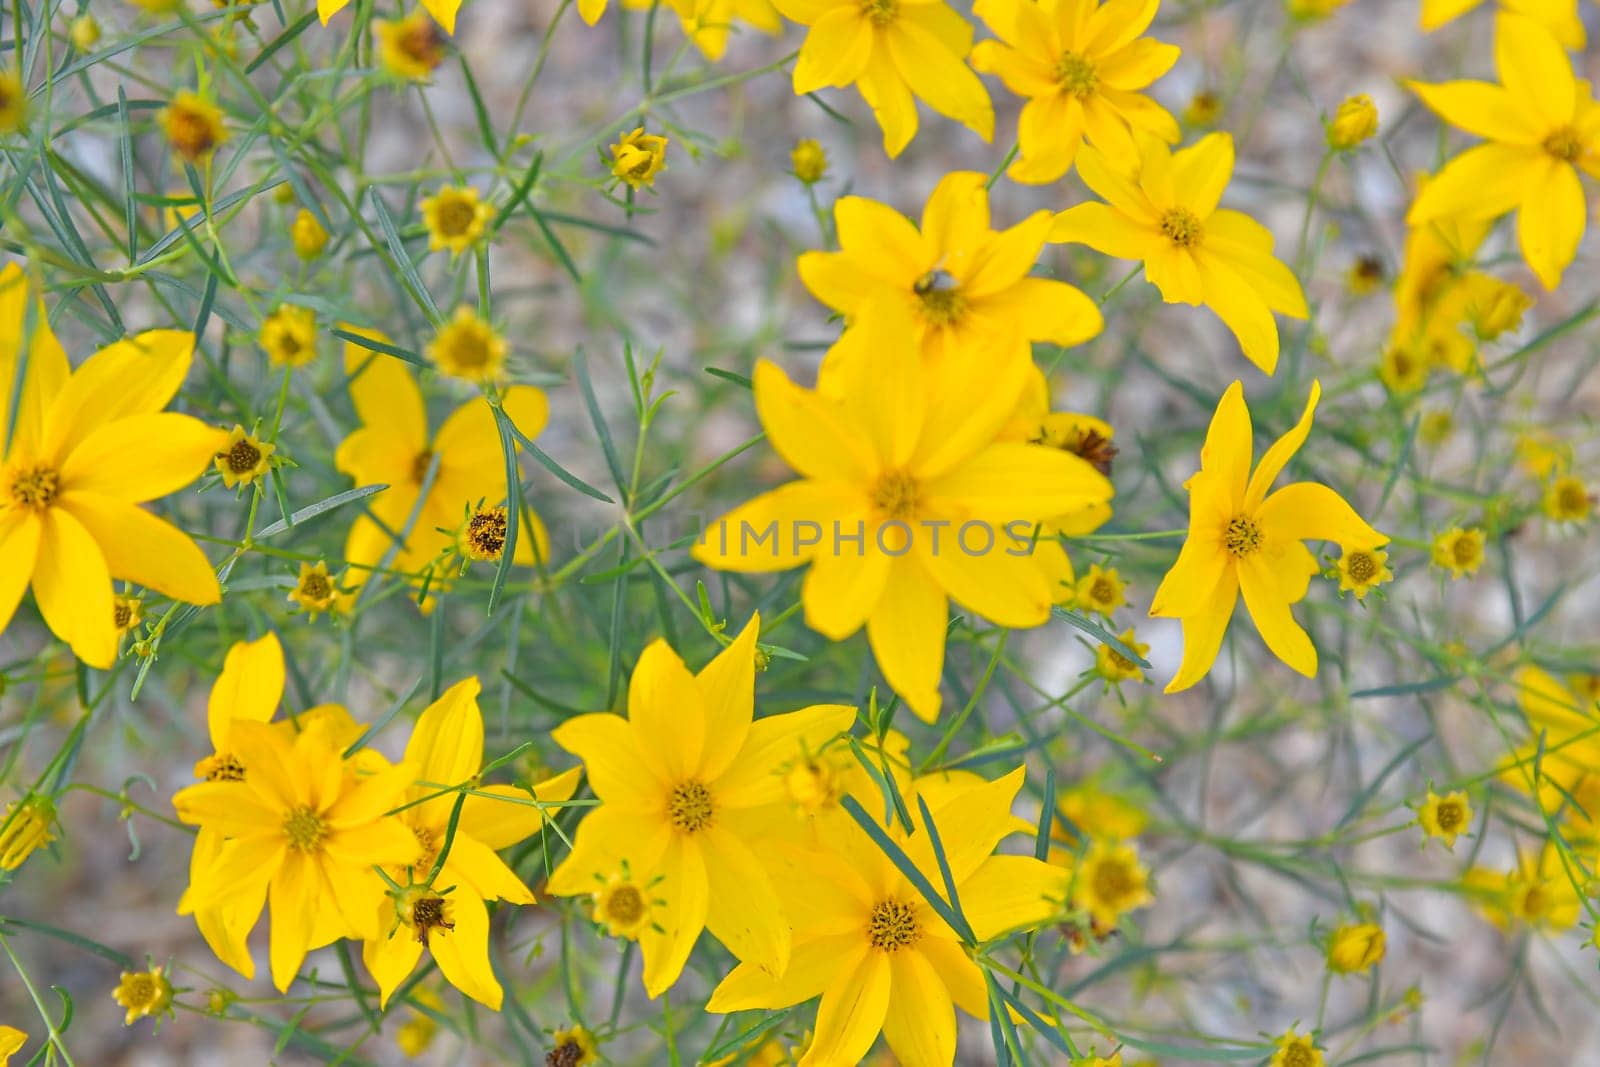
x=690, y=807
x=1182, y=227
x=305, y=829
x=1362, y=567
x=1102, y=591
x=1095, y=450
x=243, y=457
x=567, y=1054
x=315, y=586
x=1112, y=880
x=1564, y=144
x=1243, y=536
x=469, y=350
x=429, y=847
x=1533, y=901
x=941, y=301
x=224, y=767
x=1076, y=75
x=1297, y=1055
x=811, y=785
x=427, y=915
x=456, y=218
x=893, y=925
x=1572, y=498
x=896, y=494
x=419, y=466
x=191, y=133
x=35, y=487
x=140, y=990
x=1118, y=660
x=880, y=12
x=1448, y=815
x=422, y=44
x=121, y=614
x=624, y=905
x=486, y=533
x=1465, y=550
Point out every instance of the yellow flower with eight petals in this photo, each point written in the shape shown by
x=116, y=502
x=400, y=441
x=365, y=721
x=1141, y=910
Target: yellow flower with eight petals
x=456, y=218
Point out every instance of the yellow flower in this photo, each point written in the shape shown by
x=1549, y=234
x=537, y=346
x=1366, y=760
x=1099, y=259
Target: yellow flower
x=87, y=447
x=869, y=944
x=456, y=218
x=11, y=1042
x=1166, y=215
x=193, y=126
x=468, y=348
x=1538, y=892
x=573, y=1047
x=307, y=235
x=243, y=458
x=1109, y=881
x=1445, y=817
x=314, y=590
x=1402, y=370
x=1243, y=541
x=638, y=157
x=24, y=829
x=452, y=922
x=1100, y=591
x=905, y=500
x=411, y=48
x=686, y=784
x=1080, y=65
x=416, y=1034
x=808, y=161
x=1204, y=109
x=623, y=906
x=966, y=286
x=1493, y=307
x=13, y=101
x=1567, y=499
x=1354, y=122
x=1540, y=124
x=1355, y=947
x=143, y=993
x=1458, y=551
x=443, y=11
x=289, y=335
x=85, y=32
x=1297, y=1050
x=126, y=612
x=1564, y=724
x=895, y=54
x=707, y=23
x=1116, y=668
x=1097, y=814
x=1436, y=426
x=1365, y=276
x=1113, y=1060
x=1542, y=454
x=1361, y=569
x=1560, y=17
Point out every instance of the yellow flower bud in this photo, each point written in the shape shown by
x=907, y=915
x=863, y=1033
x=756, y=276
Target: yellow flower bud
x=85, y=32
x=1354, y=122
x=1355, y=947
x=808, y=160
x=308, y=235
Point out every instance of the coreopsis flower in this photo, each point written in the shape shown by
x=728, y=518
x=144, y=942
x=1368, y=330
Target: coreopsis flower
x=1354, y=122
x=1101, y=590
x=1080, y=66
x=623, y=905
x=1355, y=947
x=1080, y=434
x=303, y=826
x=315, y=590
x=393, y=447
x=1540, y=125
x=1541, y=454
x=1362, y=569
x=289, y=335
x=1492, y=306
x=307, y=235
x=895, y=54
x=1564, y=745
x=411, y=47
x=880, y=957
x=1243, y=540
x=1566, y=498
x=1560, y=17
x=143, y=994
x=890, y=459
x=25, y=828
x=707, y=23
x=243, y=458
x=638, y=157
x=808, y=161
x=1445, y=817
x=456, y=218
x=1402, y=369
x=1297, y=1050
x=688, y=787
x=483, y=535
x=1091, y=813
x=84, y=32
x=573, y=1047
x=11, y=1042
x=1166, y=215
x=1115, y=668
x=966, y=286
x=1204, y=109
x=1108, y=882
x=1365, y=276
x=1436, y=426
x=1538, y=892
x=445, y=911
x=468, y=348
x=126, y=612
x=443, y=11
x=87, y=448
x=1459, y=551
x=193, y=126
x=13, y=101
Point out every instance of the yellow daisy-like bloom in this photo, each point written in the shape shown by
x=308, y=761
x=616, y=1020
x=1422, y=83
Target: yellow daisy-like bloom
x=1361, y=569
x=573, y=1047
x=443, y=11
x=894, y=465
x=1116, y=668
x=1445, y=817
x=808, y=161
x=13, y=101
x=126, y=612
x=1567, y=499
x=25, y=828
x=638, y=157
x=1096, y=814
x=1541, y=454
x=289, y=335
x=1204, y=109
x=1560, y=17
x=895, y=53
x=468, y=348
x=1459, y=551
x=243, y=458
x=307, y=235
x=1493, y=307
x=688, y=788
x=193, y=126
x=1354, y=122
x=1166, y=215
x=483, y=535
x=445, y=750
x=1564, y=742
x=1402, y=369
x=411, y=48
x=1101, y=591
x=1365, y=276
x=315, y=590
x=1297, y=1050
x=1540, y=125
x=869, y=944
x=87, y=448
x=11, y=1042
x=456, y=218
x=1241, y=540
x=624, y=907
x=1109, y=882
x=966, y=286
x=1080, y=63
x=1355, y=947
x=1538, y=892
x=143, y=993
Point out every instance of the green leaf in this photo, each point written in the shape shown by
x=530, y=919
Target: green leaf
x=408, y=270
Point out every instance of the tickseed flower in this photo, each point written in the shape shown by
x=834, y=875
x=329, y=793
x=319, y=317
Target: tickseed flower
x=416, y=1034
x=87, y=448
x=1354, y=122
x=393, y=447
x=24, y=829
x=1109, y=882
x=1540, y=125
x=307, y=235
x=11, y=1042
x=144, y=993
x=410, y=48
x=868, y=942
x=1436, y=426
x=1080, y=65
x=443, y=11
x=468, y=348
x=966, y=286
x=1567, y=499
x=483, y=535
x=85, y=32
x=1204, y=109
x=456, y=218
x=1355, y=947
x=13, y=101
x=1445, y=817
x=1082, y=435
x=452, y=923
x=687, y=785
x=1241, y=540
x=1538, y=892
x=1493, y=307
x=243, y=458
x=707, y=23
x=1193, y=252
x=573, y=1047
x=625, y=907
x=289, y=335
x=808, y=161
x=1297, y=1050
x=1365, y=276
x=314, y=590
x=193, y=126
x=1361, y=569
x=895, y=54
x=1459, y=551
x=638, y=157
x=1565, y=746
x=1101, y=591
x=1113, y=666
x=897, y=456
x=126, y=612
x=1560, y=17
x=1542, y=454
x=1090, y=811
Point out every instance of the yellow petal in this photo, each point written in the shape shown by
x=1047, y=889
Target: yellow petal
x=444, y=13
x=1187, y=588
x=959, y=974
x=47, y=370
x=1283, y=449
x=384, y=393
x=1483, y=182
x=1113, y=181
x=608, y=838
x=1011, y=481
x=1007, y=590
x=774, y=743
x=446, y=746
x=1269, y=609
x=956, y=215
x=142, y=457
x=834, y=52
x=813, y=966
x=390, y=958
x=502, y=823
x=1203, y=631
x=682, y=888
x=1174, y=271
x=1534, y=69
x=727, y=689
x=1138, y=64
x=136, y=376
x=920, y=1025
x=784, y=528
x=667, y=711
x=881, y=385
x=293, y=898
x=1042, y=309
x=326, y=9
x=1242, y=309
x=1115, y=23
x=886, y=92
x=907, y=631
x=72, y=586
x=851, y=1013
x=1551, y=221
x=1480, y=108
x=482, y=873
x=743, y=911
x=969, y=401
x=140, y=548
x=1010, y=893
x=1201, y=172
x=249, y=687
x=1306, y=511
x=812, y=432
x=843, y=586
x=463, y=953
x=1103, y=229
x=1436, y=13
x=19, y=549
x=619, y=771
